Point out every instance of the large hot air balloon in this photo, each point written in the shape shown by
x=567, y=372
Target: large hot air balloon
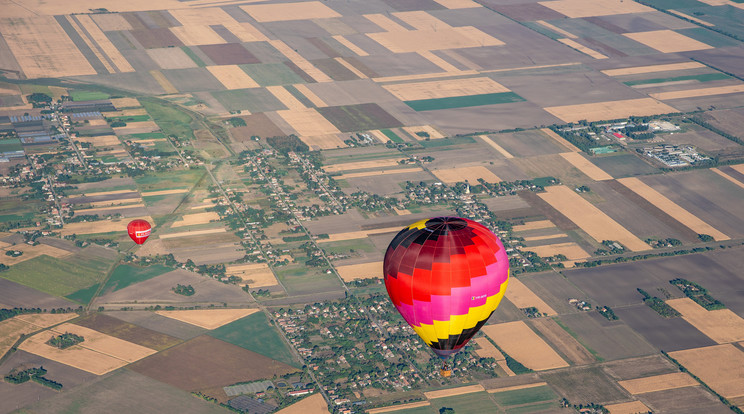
x=139, y=230
x=446, y=276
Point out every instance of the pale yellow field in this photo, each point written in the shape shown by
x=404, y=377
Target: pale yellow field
x=556, y=29
x=335, y=27
x=97, y=122
x=599, y=111
x=232, y=77
x=728, y=177
x=423, y=76
x=256, y=274
x=100, y=141
x=171, y=58
x=197, y=218
x=383, y=172
x=308, y=122
x=559, y=139
x=398, y=407
x=285, y=97
x=444, y=88
x=581, y=48
x=523, y=344
x=163, y=81
x=546, y=237
x=101, y=226
x=328, y=141
x=590, y=8
x=487, y=350
x=443, y=64
x=193, y=35
x=652, y=68
x=42, y=48
x=358, y=234
x=100, y=193
x=517, y=387
x=105, y=344
x=111, y=21
x=739, y=168
x=122, y=102
x=298, y=60
x=694, y=93
x=11, y=329
x=360, y=271
x=431, y=39
x=351, y=46
x=45, y=320
x=81, y=32
x=450, y=392
x=120, y=202
x=458, y=4
x=165, y=192
x=245, y=32
x=403, y=212
x=534, y=225
x=592, y=220
x=29, y=252
x=469, y=174
x=721, y=367
x=208, y=318
x=290, y=11
x=433, y=133
x=673, y=209
x=385, y=23
x=421, y=20
x=104, y=209
x=721, y=325
x=350, y=166
x=667, y=41
x=658, y=383
x=120, y=62
x=303, y=89
x=586, y=166
x=522, y=297
x=193, y=233
x=314, y=404
x=631, y=407
x=351, y=68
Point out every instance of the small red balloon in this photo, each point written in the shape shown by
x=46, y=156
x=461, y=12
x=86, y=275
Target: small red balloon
x=139, y=230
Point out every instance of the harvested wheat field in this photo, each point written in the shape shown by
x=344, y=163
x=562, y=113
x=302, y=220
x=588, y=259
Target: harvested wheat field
x=193, y=35
x=105, y=344
x=314, y=404
x=360, y=271
x=433, y=133
x=496, y=146
x=255, y=275
x=192, y=233
x=591, y=8
x=101, y=226
x=721, y=325
x=45, y=320
x=599, y=111
x=286, y=98
x=451, y=392
x=398, y=407
x=556, y=29
x=673, y=209
x=408, y=41
x=420, y=20
x=101, y=141
x=197, y=218
x=727, y=177
x=42, y=48
x=444, y=88
x=571, y=250
x=696, y=93
x=232, y=77
x=11, y=329
x=469, y=174
x=163, y=81
x=636, y=70
x=721, y=367
x=667, y=41
x=581, y=48
x=517, y=387
x=658, y=383
x=360, y=165
x=310, y=95
x=631, y=407
x=546, y=237
x=522, y=344
x=290, y=11
x=328, y=141
x=101, y=193
x=29, y=252
x=108, y=49
x=458, y=4
x=165, y=192
x=382, y=172
x=487, y=350
x=308, y=122
x=533, y=225
x=208, y=318
x=586, y=166
x=357, y=234
x=522, y=297
x=589, y=218
x=563, y=341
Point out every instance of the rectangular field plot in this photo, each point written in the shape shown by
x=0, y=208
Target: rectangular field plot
x=290, y=11
x=255, y=275
x=407, y=41
x=563, y=341
x=667, y=41
x=128, y=332
x=208, y=318
x=469, y=174
x=444, y=88
x=471, y=403
x=658, y=383
x=721, y=325
x=360, y=271
x=270, y=74
x=585, y=384
x=522, y=297
x=362, y=117
x=586, y=166
x=606, y=341
x=464, y=101
x=256, y=334
x=600, y=111
x=721, y=367
x=523, y=396
x=522, y=344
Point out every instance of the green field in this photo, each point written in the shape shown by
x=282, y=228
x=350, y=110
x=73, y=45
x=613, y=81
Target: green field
x=525, y=396
x=59, y=277
x=170, y=119
x=254, y=100
x=255, y=334
x=80, y=95
x=27, y=89
x=345, y=246
x=147, y=135
x=463, y=101
x=707, y=77
x=534, y=408
x=167, y=180
x=126, y=275
x=270, y=74
x=190, y=53
x=709, y=37
x=85, y=295
x=12, y=144
x=475, y=403
x=131, y=118
x=444, y=142
x=392, y=135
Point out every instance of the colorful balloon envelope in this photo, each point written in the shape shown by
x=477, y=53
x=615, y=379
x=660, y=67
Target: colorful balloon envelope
x=446, y=276
x=139, y=230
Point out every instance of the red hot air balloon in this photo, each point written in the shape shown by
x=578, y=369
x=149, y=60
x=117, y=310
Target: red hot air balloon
x=446, y=276
x=139, y=230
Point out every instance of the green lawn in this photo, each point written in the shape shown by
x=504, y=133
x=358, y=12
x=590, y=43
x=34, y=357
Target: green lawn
x=392, y=135
x=170, y=119
x=255, y=334
x=80, y=95
x=525, y=396
x=463, y=101
x=707, y=77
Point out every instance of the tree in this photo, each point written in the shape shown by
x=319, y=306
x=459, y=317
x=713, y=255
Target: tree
x=446, y=410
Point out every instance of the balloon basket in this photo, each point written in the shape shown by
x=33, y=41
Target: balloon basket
x=445, y=371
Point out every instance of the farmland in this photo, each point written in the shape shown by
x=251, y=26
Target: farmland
x=254, y=333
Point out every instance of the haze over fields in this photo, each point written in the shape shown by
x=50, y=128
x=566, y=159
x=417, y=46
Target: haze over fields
x=277, y=147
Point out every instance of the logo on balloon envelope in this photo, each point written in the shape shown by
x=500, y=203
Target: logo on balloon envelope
x=139, y=230
x=433, y=266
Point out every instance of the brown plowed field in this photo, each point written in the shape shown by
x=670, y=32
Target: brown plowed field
x=128, y=332
x=229, y=54
x=152, y=38
x=563, y=341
